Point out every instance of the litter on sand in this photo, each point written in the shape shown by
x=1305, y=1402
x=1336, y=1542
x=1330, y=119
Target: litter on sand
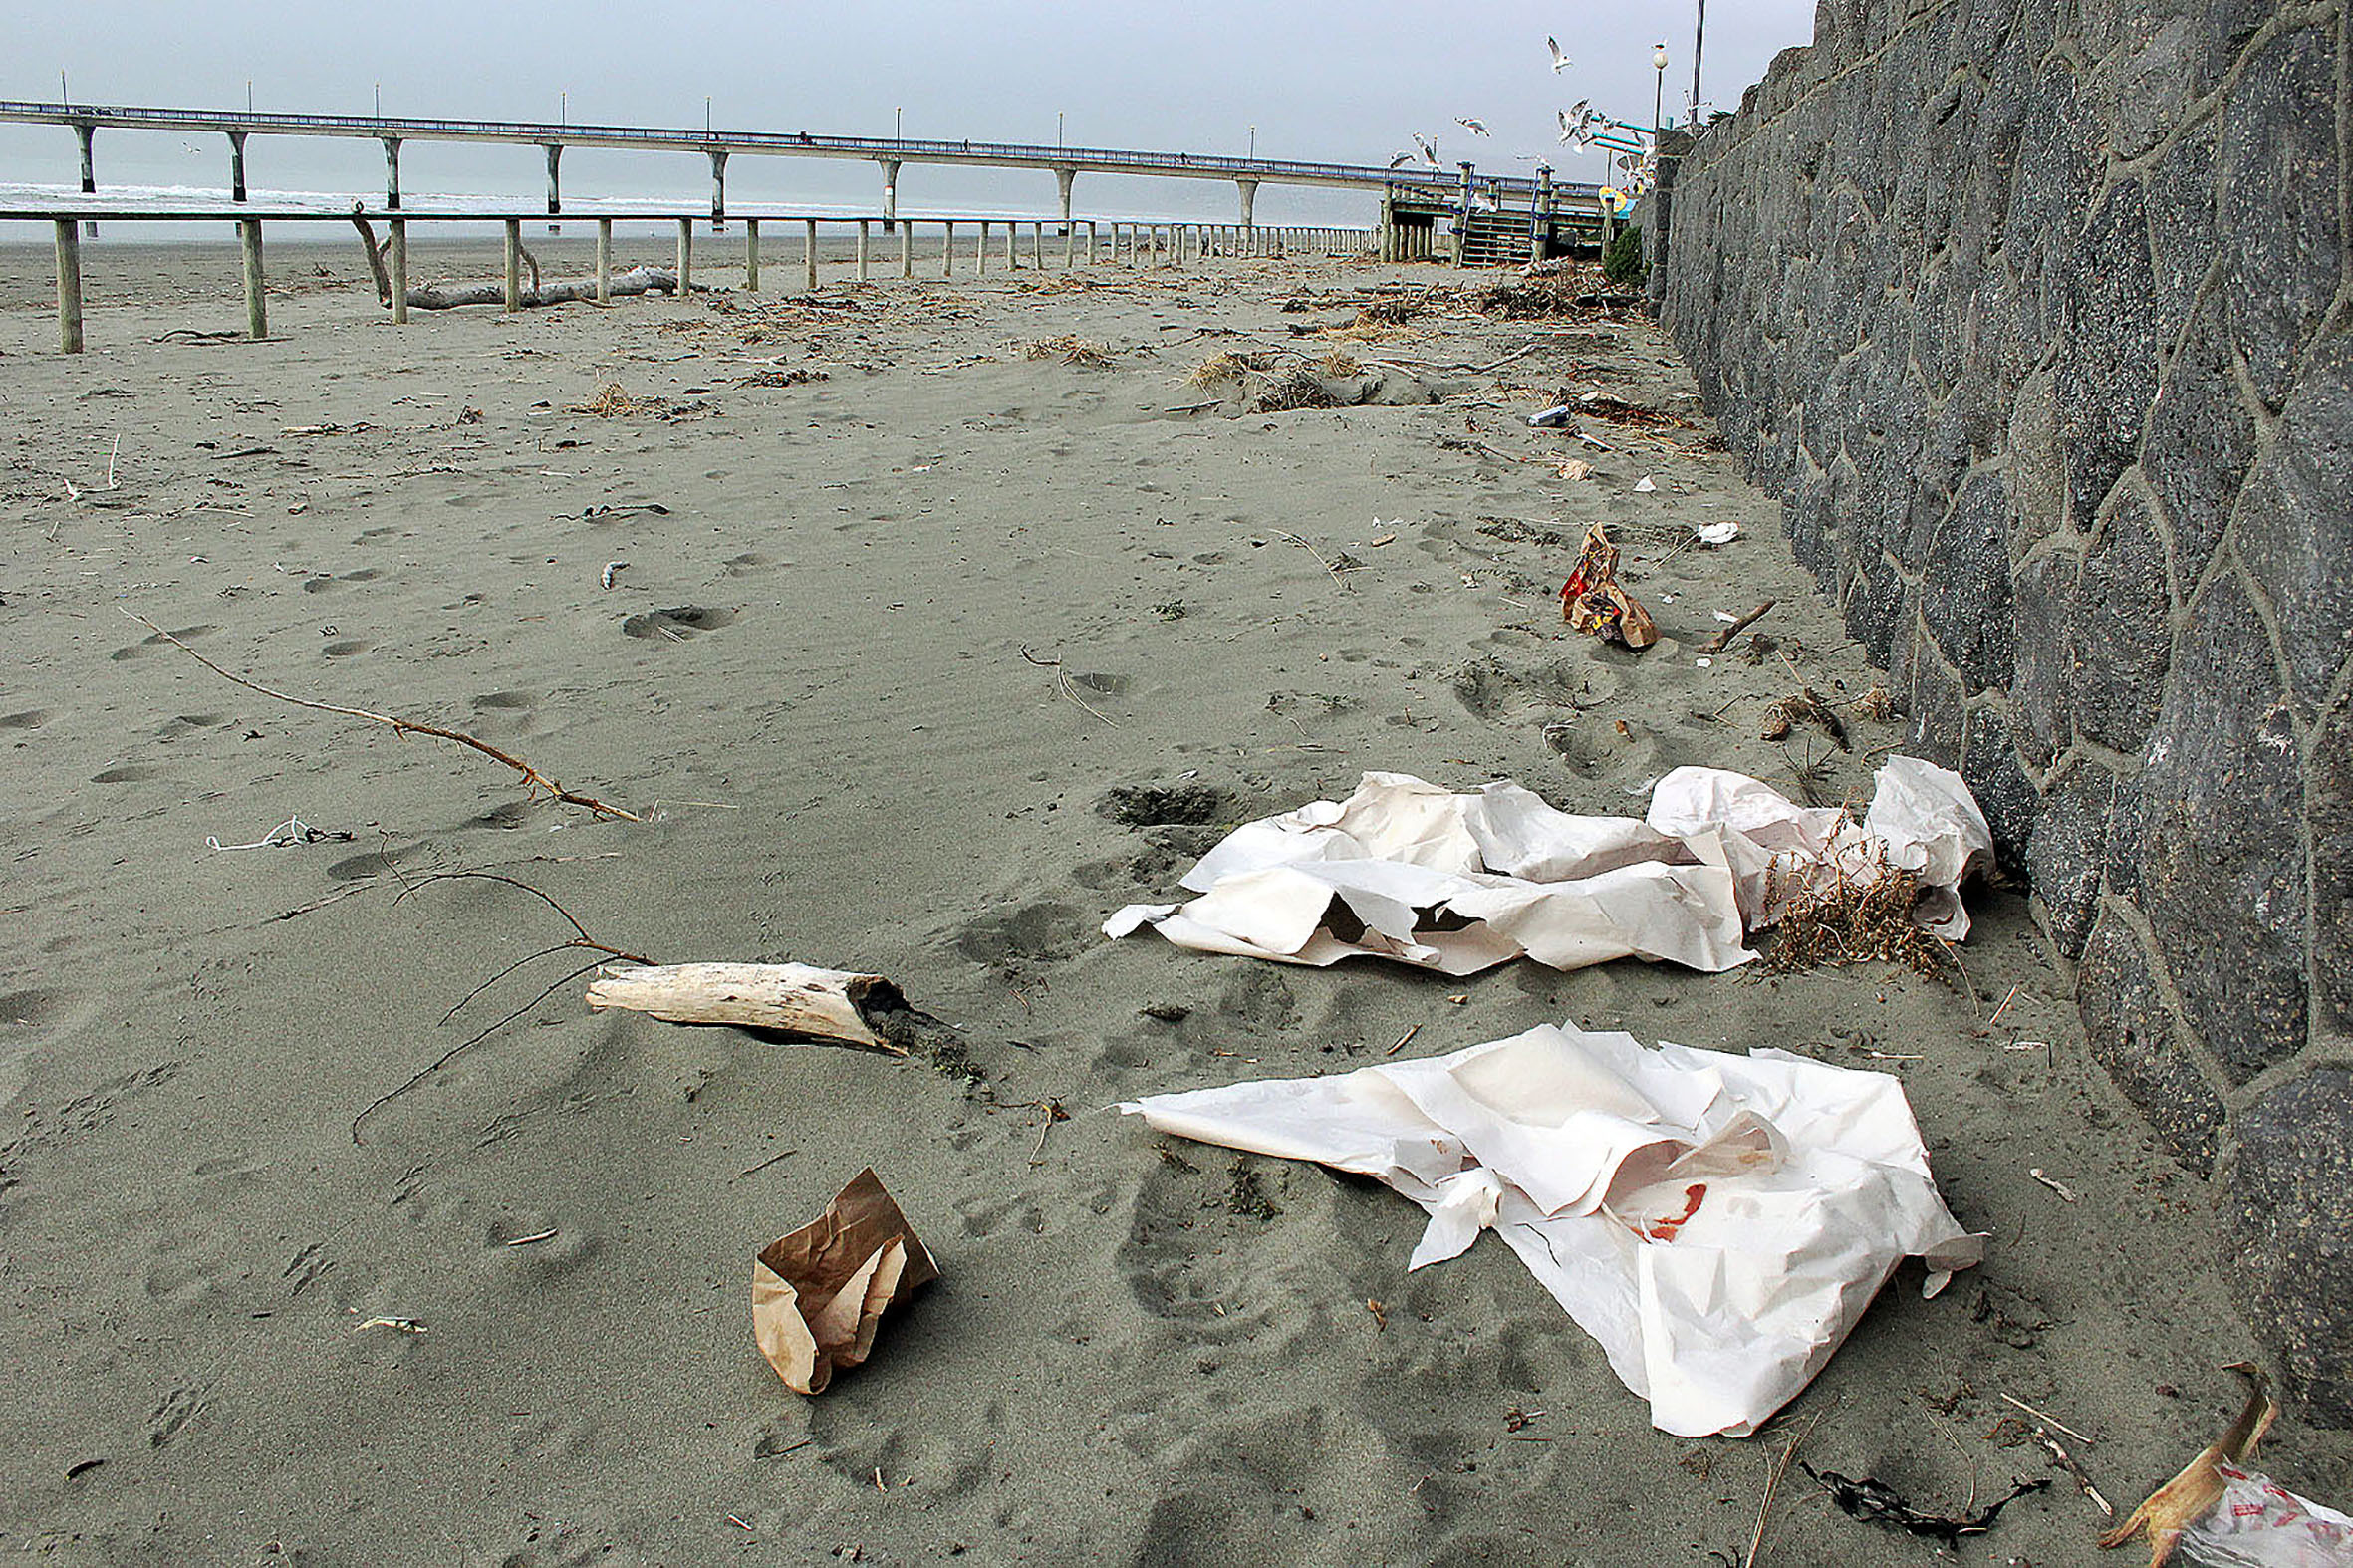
x=1717, y=1222
x=1595, y=602
x=1412, y=871
x=2219, y=1512
x=1717, y=533
x=819, y=1294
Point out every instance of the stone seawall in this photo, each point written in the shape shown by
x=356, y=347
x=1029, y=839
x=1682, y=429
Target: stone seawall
x=2035, y=314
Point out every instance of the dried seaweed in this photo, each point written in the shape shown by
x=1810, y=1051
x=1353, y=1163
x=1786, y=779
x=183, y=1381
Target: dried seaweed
x=1806, y=707
x=1227, y=367
x=1881, y=1505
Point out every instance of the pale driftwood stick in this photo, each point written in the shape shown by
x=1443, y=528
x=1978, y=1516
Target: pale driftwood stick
x=532, y=262
x=828, y=1005
x=1723, y=639
x=638, y=280
x=533, y=779
x=383, y=284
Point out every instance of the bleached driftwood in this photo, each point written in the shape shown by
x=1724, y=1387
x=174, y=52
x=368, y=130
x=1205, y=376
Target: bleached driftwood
x=638, y=280
x=827, y=1004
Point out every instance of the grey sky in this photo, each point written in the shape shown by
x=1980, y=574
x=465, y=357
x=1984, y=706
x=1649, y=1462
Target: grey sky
x=1344, y=82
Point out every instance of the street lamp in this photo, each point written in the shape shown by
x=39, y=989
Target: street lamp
x=1659, y=91
x=1253, y=141
x=706, y=104
x=564, y=108
x=1058, y=127
x=895, y=111
x=1698, y=37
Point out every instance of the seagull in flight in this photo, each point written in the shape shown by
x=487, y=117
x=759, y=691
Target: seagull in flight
x=1471, y=126
x=1560, y=62
x=1401, y=160
x=1428, y=150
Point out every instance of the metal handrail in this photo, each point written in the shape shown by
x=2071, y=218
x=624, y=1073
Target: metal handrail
x=880, y=149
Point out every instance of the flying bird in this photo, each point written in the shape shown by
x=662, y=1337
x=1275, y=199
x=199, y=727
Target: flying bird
x=1560, y=62
x=1428, y=150
x=1471, y=126
x=1401, y=160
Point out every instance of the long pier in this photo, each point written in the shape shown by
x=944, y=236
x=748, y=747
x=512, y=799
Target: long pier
x=718, y=145
x=1165, y=244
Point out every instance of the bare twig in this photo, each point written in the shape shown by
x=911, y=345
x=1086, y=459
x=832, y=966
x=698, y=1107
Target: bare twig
x=1318, y=554
x=2052, y=1422
x=1062, y=682
x=533, y=779
x=1723, y=639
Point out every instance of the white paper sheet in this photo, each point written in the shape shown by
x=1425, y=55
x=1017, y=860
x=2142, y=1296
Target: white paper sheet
x=1459, y=882
x=1717, y=1222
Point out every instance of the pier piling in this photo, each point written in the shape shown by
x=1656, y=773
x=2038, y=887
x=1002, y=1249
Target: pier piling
x=236, y=165
x=399, y=246
x=604, y=261
x=69, y=286
x=686, y=257
x=751, y=255
x=809, y=254
x=514, y=264
x=257, y=310
x=391, y=172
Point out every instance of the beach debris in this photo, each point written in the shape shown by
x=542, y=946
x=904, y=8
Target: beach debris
x=1064, y=684
x=1723, y=639
x=1574, y=468
x=534, y=781
x=2066, y=1194
x=1643, y=1185
x=610, y=403
x=1806, y=707
x=1553, y=418
x=796, y=377
x=1594, y=601
x=1345, y=562
x=790, y=998
x=1645, y=485
x=401, y=1325
x=1457, y=882
x=1070, y=350
x=611, y=569
x=2206, y=1498
x=1717, y=533
x=292, y=831
x=819, y=1294
x=1882, y=1504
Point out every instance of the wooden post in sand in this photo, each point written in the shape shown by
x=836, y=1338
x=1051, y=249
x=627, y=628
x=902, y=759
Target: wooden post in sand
x=399, y=248
x=257, y=310
x=69, y=286
x=980, y=249
x=514, y=264
x=685, y=255
x=751, y=255
x=809, y=254
x=1012, y=238
x=907, y=250
x=863, y=236
x=604, y=261
x=1070, y=243
x=1037, y=246
x=948, y=250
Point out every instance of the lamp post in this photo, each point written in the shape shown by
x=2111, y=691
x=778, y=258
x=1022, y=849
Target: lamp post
x=1058, y=127
x=1659, y=91
x=1253, y=141
x=564, y=108
x=1698, y=37
x=895, y=111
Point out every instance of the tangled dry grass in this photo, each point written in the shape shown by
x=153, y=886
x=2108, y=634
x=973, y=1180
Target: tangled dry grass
x=1339, y=363
x=1845, y=913
x=1227, y=367
x=1070, y=351
x=610, y=403
x=1294, y=388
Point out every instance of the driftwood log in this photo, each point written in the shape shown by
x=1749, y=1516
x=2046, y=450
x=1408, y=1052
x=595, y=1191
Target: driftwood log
x=449, y=296
x=825, y=1004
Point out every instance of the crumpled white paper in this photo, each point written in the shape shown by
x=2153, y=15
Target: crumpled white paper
x=1409, y=870
x=1717, y=1222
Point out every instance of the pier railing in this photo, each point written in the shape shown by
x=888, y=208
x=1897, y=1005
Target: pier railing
x=1170, y=244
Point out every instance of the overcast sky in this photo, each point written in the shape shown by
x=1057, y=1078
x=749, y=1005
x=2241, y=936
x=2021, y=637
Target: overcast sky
x=1317, y=80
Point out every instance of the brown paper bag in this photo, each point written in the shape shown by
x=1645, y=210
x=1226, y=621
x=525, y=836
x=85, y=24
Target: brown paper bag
x=819, y=1293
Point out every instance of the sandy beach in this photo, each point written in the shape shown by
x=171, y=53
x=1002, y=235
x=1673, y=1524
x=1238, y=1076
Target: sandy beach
x=880, y=657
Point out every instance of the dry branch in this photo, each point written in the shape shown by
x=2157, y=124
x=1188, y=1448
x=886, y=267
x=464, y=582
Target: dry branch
x=533, y=779
x=794, y=998
x=451, y=296
x=1723, y=639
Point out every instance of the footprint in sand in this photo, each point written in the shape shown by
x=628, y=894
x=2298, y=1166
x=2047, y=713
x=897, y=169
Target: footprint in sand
x=676, y=625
